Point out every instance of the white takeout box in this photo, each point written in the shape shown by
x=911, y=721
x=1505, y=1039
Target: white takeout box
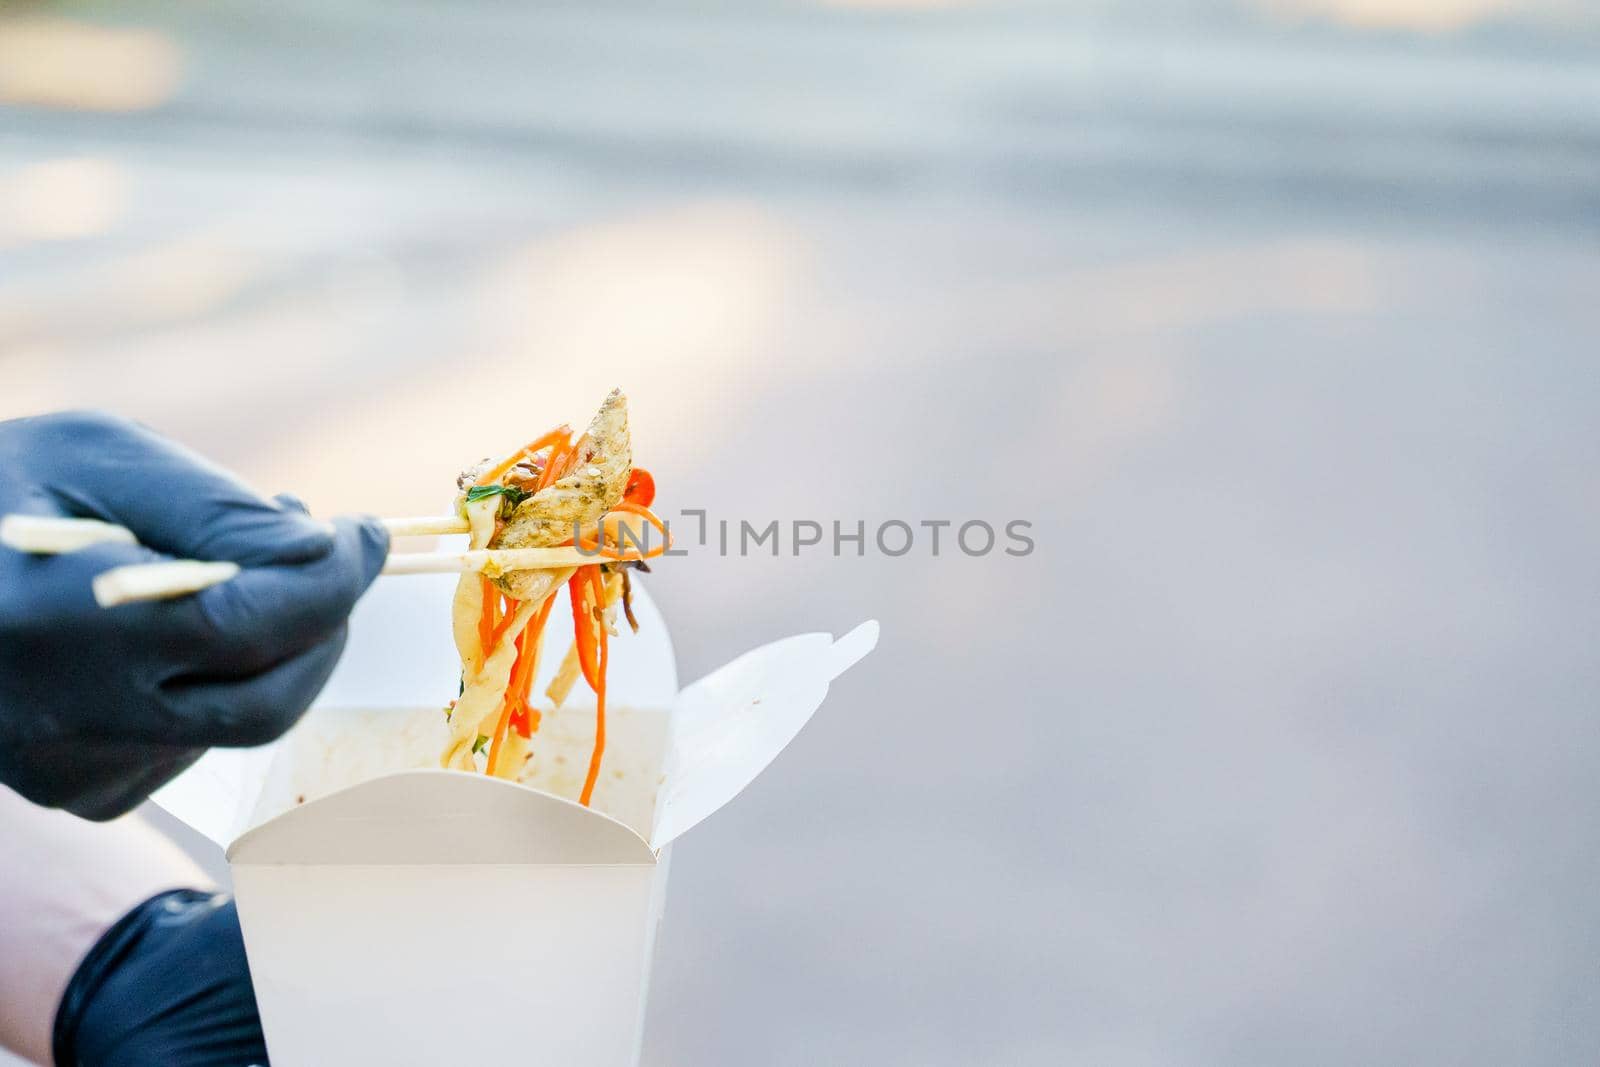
x=394, y=913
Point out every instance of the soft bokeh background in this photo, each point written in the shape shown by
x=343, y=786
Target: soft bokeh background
x=1280, y=320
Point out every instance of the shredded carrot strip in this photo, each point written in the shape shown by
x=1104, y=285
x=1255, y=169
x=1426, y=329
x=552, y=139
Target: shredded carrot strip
x=561, y=455
x=507, y=706
x=500, y=629
x=595, y=548
x=523, y=717
x=488, y=619
x=522, y=683
x=549, y=440
x=640, y=509
x=598, y=546
x=583, y=627
x=499, y=739
x=599, y=684
x=649, y=516
x=525, y=720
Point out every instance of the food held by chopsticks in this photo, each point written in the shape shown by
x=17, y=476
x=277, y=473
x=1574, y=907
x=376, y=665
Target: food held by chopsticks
x=46, y=535
x=554, y=491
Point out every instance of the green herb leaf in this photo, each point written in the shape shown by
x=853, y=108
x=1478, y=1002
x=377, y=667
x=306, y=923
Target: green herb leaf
x=510, y=492
x=510, y=496
x=477, y=746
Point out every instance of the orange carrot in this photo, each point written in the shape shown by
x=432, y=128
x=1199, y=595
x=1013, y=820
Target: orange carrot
x=525, y=720
x=640, y=509
x=599, y=545
x=522, y=674
x=649, y=516
x=555, y=468
x=507, y=706
x=500, y=628
x=550, y=440
x=489, y=618
x=583, y=627
x=499, y=739
x=599, y=683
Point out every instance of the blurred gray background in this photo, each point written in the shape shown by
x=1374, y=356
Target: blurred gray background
x=1278, y=320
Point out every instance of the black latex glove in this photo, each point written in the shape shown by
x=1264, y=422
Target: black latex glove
x=167, y=986
x=100, y=707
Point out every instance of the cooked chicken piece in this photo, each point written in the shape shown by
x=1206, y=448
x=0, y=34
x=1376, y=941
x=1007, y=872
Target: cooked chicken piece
x=599, y=476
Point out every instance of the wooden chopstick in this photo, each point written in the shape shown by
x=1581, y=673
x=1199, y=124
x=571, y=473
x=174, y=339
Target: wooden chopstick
x=161, y=581
x=47, y=536
x=158, y=581
x=426, y=526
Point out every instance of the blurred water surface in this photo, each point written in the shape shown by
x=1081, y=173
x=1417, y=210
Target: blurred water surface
x=1279, y=324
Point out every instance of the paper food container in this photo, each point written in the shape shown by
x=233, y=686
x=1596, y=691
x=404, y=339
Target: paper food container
x=395, y=913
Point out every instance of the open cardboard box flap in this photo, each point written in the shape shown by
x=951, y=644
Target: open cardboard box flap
x=723, y=731
x=730, y=725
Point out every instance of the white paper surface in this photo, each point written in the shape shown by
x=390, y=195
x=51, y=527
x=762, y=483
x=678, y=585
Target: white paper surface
x=434, y=966
x=730, y=725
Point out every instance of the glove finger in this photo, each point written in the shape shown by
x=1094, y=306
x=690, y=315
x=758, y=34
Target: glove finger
x=242, y=712
x=290, y=502
x=56, y=625
x=173, y=500
x=144, y=769
x=95, y=778
x=268, y=613
x=171, y=675
x=261, y=617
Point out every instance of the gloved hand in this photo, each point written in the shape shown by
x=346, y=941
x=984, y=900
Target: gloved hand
x=100, y=707
x=167, y=986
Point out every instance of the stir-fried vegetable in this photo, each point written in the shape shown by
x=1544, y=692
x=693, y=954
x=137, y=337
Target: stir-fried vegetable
x=606, y=507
